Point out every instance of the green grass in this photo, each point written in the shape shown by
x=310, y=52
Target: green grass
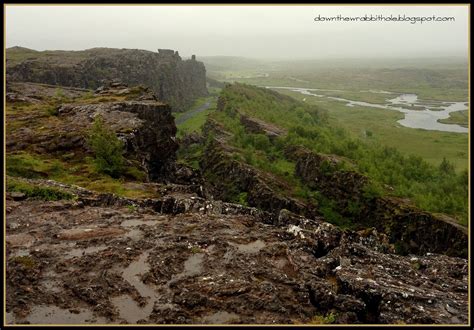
x=432, y=146
x=76, y=169
x=37, y=191
x=443, y=79
x=31, y=166
x=331, y=128
x=329, y=318
x=195, y=123
x=458, y=117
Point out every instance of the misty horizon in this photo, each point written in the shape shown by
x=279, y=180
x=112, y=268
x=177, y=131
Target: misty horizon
x=256, y=32
x=288, y=58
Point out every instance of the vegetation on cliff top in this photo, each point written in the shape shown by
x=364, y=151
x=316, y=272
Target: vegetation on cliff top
x=107, y=148
x=70, y=166
x=433, y=188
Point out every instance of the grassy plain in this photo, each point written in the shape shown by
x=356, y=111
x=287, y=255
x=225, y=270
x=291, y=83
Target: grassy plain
x=442, y=79
x=458, y=117
x=380, y=126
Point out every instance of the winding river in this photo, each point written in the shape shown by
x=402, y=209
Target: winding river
x=425, y=116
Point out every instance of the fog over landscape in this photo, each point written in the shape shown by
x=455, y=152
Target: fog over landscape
x=237, y=164
x=250, y=31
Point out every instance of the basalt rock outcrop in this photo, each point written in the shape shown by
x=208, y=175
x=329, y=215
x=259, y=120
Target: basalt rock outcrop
x=254, y=125
x=145, y=125
x=413, y=230
x=175, y=81
x=182, y=259
x=410, y=229
x=224, y=245
x=227, y=177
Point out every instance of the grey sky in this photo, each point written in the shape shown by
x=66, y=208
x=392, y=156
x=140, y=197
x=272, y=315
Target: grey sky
x=252, y=31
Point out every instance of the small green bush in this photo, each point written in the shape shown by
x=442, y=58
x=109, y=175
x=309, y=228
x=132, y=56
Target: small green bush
x=446, y=167
x=330, y=318
x=242, y=198
x=52, y=110
x=107, y=148
x=59, y=93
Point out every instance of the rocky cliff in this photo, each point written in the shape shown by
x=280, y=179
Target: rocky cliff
x=411, y=229
x=144, y=124
x=335, y=180
x=177, y=248
x=173, y=80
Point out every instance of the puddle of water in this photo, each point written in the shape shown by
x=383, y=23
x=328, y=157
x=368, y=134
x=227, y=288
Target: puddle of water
x=9, y=318
x=222, y=317
x=251, y=248
x=134, y=270
x=128, y=308
x=50, y=281
x=193, y=265
x=55, y=315
x=210, y=248
x=81, y=252
x=51, y=285
x=20, y=253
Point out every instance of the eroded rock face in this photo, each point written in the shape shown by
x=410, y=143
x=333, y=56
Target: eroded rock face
x=227, y=177
x=144, y=124
x=254, y=125
x=182, y=259
x=147, y=128
x=173, y=80
x=414, y=230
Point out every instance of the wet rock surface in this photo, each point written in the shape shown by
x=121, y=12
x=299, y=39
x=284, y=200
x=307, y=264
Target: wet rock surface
x=183, y=259
x=191, y=254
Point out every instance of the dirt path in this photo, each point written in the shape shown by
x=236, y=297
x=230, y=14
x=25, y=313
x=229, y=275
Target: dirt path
x=192, y=113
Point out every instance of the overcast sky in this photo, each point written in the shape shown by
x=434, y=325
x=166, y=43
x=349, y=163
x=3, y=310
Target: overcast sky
x=251, y=31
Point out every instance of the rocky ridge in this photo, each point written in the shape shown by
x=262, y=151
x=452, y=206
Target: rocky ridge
x=412, y=230
x=225, y=263
x=188, y=256
x=177, y=82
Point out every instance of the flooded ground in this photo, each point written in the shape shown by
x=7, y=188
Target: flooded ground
x=418, y=113
x=111, y=265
